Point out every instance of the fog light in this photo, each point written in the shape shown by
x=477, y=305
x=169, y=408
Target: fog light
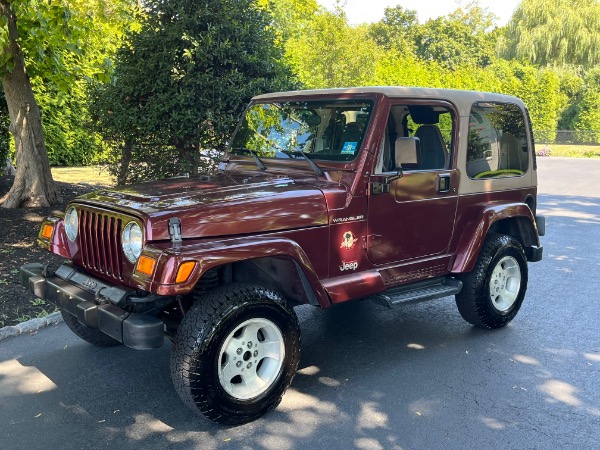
x=184, y=271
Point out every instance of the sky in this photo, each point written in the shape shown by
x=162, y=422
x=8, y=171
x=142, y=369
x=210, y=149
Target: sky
x=359, y=11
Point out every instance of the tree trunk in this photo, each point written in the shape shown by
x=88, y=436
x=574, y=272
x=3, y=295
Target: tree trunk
x=126, y=155
x=33, y=185
x=9, y=169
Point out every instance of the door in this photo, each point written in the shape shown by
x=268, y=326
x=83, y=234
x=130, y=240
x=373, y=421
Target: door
x=412, y=217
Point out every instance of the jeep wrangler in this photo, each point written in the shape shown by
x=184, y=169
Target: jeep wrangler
x=395, y=194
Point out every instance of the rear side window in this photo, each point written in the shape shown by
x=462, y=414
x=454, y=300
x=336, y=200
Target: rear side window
x=497, y=141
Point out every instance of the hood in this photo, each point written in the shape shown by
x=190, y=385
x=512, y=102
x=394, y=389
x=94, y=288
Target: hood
x=220, y=205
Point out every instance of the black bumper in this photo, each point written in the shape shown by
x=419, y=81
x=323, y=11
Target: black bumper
x=95, y=303
x=534, y=254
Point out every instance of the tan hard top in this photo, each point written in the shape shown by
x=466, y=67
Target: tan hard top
x=463, y=100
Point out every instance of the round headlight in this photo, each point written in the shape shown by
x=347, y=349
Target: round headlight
x=132, y=241
x=71, y=223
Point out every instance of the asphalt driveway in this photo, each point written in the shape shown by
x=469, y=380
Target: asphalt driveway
x=412, y=378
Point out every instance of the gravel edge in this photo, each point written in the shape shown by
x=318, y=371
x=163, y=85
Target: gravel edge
x=30, y=326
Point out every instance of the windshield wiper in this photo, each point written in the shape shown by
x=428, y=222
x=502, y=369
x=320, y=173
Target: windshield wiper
x=257, y=160
x=310, y=162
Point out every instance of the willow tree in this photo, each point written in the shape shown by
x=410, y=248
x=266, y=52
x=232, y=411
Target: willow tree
x=555, y=32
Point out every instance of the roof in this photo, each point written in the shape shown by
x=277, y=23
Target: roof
x=463, y=100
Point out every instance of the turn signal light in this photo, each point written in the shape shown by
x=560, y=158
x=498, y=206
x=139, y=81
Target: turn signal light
x=184, y=271
x=47, y=231
x=146, y=265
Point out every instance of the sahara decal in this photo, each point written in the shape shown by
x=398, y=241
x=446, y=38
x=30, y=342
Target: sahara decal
x=347, y=219
x=349, y=240
x=351, y=265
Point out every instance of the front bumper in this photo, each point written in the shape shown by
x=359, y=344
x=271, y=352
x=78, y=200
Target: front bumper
x=95, y=303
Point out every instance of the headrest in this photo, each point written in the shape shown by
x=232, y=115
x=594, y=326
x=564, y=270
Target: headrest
x=424, y=114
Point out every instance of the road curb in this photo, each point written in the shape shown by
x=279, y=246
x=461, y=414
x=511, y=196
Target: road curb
x=30, y=326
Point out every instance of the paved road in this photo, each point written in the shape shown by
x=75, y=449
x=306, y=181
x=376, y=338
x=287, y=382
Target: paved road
x=412, y=378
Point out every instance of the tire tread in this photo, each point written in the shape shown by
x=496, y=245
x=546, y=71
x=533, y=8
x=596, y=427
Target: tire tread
x=198, y=325
x=471, y=301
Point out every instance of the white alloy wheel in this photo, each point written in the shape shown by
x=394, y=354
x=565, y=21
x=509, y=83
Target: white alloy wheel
x=505, y=283
x=250, y=358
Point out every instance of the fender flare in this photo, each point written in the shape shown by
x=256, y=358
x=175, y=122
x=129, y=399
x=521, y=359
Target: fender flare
x=217, y=253
x=476, y=223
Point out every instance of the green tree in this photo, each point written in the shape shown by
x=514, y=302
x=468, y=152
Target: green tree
x=396, y=31
x=462, y=38
x=587, y=115
x=555, y=32
x=290, y=17
x=182, y=82
x=407, y=70
x=331, y=53
x=572, y=88
x=43, y=44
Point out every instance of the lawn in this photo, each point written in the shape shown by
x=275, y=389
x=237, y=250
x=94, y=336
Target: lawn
x=572, y=151
x=93, y=175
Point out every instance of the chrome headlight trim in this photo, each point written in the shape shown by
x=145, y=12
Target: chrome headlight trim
x=133, y=241
x=71, y=223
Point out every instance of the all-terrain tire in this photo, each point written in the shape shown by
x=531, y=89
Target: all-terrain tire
x=220, y=366
x=494, y=290
x=91, y=335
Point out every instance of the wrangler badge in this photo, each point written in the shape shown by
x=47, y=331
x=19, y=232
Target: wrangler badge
x=349, y=240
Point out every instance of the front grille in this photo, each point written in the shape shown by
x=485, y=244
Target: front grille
x=100, y=240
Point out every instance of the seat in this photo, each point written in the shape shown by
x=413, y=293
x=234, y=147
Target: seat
x=351, y=137
x=434, y=154
x=512, y=155
x=407, y=152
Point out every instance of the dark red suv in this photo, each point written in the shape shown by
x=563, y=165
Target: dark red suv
x=394, y=194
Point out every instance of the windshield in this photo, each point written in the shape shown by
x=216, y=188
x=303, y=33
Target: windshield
x=322, y=130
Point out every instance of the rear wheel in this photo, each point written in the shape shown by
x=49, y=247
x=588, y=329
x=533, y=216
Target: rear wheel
x=494, y=290
x=91, y=335
x=235, y=353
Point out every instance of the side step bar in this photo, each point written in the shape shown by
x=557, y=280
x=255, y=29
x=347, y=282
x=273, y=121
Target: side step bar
x=419, y=292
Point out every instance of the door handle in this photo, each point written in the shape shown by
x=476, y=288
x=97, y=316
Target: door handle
x=444, y=183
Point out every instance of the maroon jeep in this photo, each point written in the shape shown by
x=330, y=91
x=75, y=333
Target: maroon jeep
x=394, y=194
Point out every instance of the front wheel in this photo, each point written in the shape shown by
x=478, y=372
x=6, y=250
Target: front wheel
x=235, y=353
x=494, y=290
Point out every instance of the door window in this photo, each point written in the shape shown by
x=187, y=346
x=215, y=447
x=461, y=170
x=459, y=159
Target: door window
x=418, y=138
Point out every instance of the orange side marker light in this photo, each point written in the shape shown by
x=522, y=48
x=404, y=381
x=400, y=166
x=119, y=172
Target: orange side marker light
x=146, y=265
x=47, y=231
x=184, y=271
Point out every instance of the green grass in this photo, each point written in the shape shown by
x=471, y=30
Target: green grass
x=572, y=151
x=95, y=175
